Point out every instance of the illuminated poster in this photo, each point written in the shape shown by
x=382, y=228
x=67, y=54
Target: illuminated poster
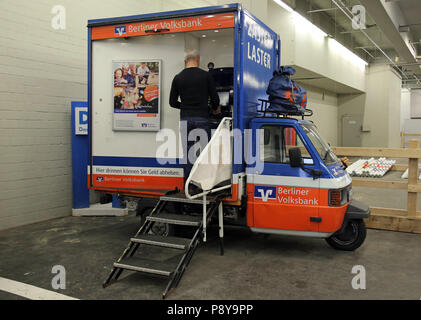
x=137, y=88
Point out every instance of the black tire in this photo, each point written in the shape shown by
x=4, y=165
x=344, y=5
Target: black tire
x=158, y=228
x=351, y=238
x=163, y=229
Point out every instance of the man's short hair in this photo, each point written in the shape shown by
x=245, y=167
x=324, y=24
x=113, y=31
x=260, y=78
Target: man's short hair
x=191, y=55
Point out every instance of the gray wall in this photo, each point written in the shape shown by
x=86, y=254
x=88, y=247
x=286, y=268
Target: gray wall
x=380, y=107
x=349, y=104
x=42, y=71
x=325, y=112
x=416, y=104
x=405, y=107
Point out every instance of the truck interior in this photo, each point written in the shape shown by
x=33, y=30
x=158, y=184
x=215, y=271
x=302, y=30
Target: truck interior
x=277, y=142
x=216, y=48
x=219, y=63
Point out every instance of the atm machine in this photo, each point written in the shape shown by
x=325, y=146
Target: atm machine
x=224, y=82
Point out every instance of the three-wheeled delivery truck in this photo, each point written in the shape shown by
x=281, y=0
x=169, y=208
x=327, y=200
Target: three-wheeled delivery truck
x=269, y=171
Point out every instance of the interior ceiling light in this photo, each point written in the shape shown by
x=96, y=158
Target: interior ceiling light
x=307, y=26
x=347, y=54
x=284, y=5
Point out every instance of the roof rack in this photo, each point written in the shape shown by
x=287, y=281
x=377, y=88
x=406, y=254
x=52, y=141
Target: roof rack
x=266, y=103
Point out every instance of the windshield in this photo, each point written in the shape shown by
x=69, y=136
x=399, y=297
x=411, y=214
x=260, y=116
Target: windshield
x=320, y=144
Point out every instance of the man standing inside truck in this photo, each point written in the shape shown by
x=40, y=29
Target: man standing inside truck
x=194, y=87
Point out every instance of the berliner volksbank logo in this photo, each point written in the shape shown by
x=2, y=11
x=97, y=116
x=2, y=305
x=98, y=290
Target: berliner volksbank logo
x=265, y=192
x=120, y=30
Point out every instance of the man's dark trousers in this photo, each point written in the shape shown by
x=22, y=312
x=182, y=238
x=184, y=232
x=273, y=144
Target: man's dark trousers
x=188, y=124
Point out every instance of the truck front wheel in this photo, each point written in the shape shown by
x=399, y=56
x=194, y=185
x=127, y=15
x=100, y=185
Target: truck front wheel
x=351, y=238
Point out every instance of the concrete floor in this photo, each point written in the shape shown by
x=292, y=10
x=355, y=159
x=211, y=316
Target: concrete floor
x=254, y=266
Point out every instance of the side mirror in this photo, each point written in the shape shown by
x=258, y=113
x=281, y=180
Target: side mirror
x=296, y=160
x=295, y=157
x=317, y=173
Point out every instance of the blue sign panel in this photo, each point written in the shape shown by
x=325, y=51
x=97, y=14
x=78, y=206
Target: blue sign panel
x=258, y=59
x=81, y=120
x=265, y=192
x=80, y=156
x=120, y=30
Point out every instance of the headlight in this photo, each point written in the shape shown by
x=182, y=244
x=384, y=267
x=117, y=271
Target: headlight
x=339, y=197
x=335, y=198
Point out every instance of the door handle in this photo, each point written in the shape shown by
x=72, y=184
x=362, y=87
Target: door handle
x=315, y=219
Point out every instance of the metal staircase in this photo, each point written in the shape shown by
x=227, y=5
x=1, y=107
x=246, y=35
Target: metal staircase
x=172, y=268
x=209, y=178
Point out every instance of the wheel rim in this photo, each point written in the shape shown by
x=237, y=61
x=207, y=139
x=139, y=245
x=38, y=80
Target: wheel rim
x=349, y=235
x=160, y=229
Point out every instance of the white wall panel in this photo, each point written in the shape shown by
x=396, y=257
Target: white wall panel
x=170, y=50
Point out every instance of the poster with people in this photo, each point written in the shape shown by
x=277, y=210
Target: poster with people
x=136, y=95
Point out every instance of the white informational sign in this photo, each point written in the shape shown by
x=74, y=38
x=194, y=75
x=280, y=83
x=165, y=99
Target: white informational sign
x=136, y=95
x=81, y=120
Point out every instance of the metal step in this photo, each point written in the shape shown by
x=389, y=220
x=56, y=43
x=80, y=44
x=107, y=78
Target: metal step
x=160, y=241
x=147, y=266
x=179, y=219
x=181, y=197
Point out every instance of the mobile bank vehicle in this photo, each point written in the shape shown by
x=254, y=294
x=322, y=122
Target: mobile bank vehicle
x=281, y=177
